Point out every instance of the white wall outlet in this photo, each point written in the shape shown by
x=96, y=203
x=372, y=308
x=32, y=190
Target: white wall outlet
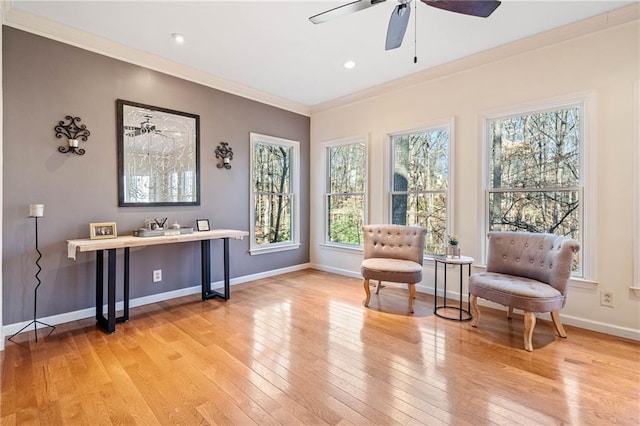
x=606, y=298
x=157, y=275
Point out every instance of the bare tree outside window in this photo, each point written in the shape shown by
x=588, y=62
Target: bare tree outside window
x=534, y=173
x=420, y=184
x=346, y=192
x=272, y=192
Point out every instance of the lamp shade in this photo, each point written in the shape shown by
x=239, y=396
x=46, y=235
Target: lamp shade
x=36, y=210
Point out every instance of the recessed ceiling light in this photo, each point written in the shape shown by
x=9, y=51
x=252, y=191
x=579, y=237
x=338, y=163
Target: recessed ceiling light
x=349, y=65
x=178, y=38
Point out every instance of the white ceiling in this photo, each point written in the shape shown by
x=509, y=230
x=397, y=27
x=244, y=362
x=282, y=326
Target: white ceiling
x=271, y=46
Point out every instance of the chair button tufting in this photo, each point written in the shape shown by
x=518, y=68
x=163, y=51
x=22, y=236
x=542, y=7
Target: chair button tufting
x=517, y=259
x=504, y=256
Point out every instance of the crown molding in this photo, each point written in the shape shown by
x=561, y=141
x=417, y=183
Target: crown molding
x=567, y=32
x=33, y=24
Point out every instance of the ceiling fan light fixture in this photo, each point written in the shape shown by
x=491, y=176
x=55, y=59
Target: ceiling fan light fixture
x=178, y=38
x=349, y=65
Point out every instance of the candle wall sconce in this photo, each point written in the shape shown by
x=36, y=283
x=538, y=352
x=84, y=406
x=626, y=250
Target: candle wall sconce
x=226, y=154
x=73, y=131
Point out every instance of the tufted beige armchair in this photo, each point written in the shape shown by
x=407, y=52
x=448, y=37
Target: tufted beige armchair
x=526, y=271
x=392, y=253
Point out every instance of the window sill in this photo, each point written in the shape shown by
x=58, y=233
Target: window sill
x=273, y=248
x=342, y=247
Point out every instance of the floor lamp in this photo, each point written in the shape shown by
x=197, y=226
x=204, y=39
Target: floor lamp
x=35, y=211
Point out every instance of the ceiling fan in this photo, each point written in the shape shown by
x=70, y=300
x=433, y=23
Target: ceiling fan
x=145, y=127
x=400, y=15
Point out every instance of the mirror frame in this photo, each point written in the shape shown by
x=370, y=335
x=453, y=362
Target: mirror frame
x=120, y=131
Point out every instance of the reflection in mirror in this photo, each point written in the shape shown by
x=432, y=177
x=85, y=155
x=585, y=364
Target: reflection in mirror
x=158, y=156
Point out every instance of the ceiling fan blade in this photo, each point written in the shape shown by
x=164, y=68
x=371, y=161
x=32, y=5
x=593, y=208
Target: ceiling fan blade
x=345, y=9
x=481, y=8
x=397, y=26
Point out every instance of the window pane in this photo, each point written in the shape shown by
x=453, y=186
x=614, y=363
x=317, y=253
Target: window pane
x=272, y=218
x=428, y=211
x=272, y=168
x=346, y=168
x=556, y=212
x=421, y=161
x=540, y=150
x=345, y=218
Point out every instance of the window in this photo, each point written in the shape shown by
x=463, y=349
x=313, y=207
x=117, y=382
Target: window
x=534, y=179
x=421, y=181
x=345, y=197
x=274, y=194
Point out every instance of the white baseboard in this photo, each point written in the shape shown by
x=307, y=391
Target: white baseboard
x=10, y=329
x=601, y=327
x=338, y=271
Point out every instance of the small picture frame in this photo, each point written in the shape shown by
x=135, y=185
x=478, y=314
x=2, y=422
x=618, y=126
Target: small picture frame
x=203, y=225
x=100, y=230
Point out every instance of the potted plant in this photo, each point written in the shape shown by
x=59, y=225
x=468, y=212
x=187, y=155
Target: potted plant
x=454, y=249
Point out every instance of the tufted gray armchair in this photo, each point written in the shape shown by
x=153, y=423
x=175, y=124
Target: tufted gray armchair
x=526, y=271
x=392, y=253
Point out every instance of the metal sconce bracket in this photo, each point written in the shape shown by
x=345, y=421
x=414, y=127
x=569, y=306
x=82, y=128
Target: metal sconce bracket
x=226, y=154
x=72, y=131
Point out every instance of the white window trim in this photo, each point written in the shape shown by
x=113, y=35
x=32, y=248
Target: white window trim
x=449, y=125
x=295, y=190
x=588, y=172
x=325, y=159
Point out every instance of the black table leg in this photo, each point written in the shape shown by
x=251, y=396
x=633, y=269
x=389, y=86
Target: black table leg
x=207, y=293
x=205, y=267
x=108, y=324
x=444, y=296
x=225, y=255
x=111, y=291
x=461, y=308
x=435, y=287
x=99, y=285
x=125, y=315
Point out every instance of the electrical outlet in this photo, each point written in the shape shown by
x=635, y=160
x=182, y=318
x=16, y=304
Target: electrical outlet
x=157, y=275
x=606, y=298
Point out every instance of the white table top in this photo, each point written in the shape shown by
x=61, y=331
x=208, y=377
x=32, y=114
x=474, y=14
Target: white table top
x=462, y=260
x=86, y=244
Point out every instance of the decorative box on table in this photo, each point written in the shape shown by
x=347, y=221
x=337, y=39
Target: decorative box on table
x=144, y=232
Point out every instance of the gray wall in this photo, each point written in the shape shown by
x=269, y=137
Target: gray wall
x=44, y=81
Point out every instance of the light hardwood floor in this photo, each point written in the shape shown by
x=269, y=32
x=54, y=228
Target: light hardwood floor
x=301, y=349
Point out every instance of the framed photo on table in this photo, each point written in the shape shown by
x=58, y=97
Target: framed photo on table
x=202, y=225
x=101, y=230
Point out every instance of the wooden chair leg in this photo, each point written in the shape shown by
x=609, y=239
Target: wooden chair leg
x=367, y=291
x=555, y=317
x=475, y=313
x=509, y=312
x=378, y=286
x=529, y=324
x=412, y=295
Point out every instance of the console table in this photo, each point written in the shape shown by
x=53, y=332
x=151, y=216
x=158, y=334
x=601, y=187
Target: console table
x=108, y=323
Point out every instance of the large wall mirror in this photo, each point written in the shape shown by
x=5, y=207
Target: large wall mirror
x=158, y=156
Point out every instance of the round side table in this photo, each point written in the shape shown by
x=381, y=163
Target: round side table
x=464, y=314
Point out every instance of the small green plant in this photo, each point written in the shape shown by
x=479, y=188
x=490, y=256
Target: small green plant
x=453, y=240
